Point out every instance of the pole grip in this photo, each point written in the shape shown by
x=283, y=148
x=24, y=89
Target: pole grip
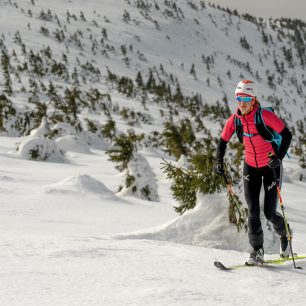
x=270, y=154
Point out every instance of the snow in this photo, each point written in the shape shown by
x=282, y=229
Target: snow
x=68, y=238
x=72, y=143
x=82, y=183
x=206, y=225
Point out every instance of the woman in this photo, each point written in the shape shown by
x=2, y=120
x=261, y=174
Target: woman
x=258, y=167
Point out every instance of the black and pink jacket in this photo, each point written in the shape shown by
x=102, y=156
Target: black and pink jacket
x=256, y=148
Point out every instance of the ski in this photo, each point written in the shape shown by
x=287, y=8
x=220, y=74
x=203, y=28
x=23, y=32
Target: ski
x=267, y=262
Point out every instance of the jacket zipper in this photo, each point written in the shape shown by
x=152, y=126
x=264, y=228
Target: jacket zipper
x=251, y=141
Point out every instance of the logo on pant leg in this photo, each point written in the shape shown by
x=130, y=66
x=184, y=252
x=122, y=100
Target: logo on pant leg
x=246, y=177
x=271, y=186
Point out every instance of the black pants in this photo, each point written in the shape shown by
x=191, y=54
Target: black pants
x=253, y=179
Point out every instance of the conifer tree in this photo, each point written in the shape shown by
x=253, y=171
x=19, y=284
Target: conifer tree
x=109, y=129
x=5, y=65
x=39, y=112
x=122, y=151
x=199, y=177
x=69, y=107
x=151, y=82
x=124, y=147
x=75, y=77
x=172, y=140
x=186, y=183
x=6, y=110
x=177, y=139
x=178, y=96
x=139, y=80
x=193, y=72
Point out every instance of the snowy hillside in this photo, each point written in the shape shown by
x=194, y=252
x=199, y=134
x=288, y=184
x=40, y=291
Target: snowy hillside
x=141, y=64
x=90, y=92
x=67, y=239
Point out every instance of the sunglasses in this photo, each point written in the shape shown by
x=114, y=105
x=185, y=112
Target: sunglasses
x=244, y=99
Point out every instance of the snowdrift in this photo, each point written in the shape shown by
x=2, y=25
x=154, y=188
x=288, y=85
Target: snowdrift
x=82, y=184
x=72, y=143
x=206, y=225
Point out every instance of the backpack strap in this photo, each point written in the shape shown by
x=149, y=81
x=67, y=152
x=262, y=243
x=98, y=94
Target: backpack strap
x=249, y=135
x=267, y=133
x=238, y=128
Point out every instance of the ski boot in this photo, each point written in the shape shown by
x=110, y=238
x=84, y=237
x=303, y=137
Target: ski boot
x=256, y=258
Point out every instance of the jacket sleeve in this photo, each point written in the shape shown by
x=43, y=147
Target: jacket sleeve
x=286, y=140
x=226, y=135
x=229, y=129
x=221, y=148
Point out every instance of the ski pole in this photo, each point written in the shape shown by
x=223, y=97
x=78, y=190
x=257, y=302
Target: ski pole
x=289, y=236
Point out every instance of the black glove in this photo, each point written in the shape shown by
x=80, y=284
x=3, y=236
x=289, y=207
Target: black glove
x=274, y=162
x=219, y=168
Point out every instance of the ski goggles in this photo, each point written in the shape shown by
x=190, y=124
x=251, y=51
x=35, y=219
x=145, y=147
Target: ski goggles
x=244, y=99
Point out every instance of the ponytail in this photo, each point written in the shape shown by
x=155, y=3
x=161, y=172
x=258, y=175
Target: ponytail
x=257, y=102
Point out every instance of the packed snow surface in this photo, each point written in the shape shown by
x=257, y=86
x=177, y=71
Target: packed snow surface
x=67, y=238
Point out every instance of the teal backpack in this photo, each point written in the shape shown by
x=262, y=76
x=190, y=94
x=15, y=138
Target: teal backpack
x=264, y=131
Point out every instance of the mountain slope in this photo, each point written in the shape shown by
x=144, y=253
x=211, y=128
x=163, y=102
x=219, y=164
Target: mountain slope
x=69, y=70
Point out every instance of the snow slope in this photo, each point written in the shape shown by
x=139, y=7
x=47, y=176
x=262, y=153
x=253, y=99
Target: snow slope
x=67, y=237
x=67, y=240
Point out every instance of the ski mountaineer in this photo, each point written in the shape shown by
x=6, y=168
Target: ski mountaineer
x=258, y=167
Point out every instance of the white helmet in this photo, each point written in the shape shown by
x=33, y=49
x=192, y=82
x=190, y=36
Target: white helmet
x=245, y=88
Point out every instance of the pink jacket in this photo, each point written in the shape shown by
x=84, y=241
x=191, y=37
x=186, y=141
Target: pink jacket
x=255, y=148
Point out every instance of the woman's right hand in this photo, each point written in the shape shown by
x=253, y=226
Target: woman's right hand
x=219, y=168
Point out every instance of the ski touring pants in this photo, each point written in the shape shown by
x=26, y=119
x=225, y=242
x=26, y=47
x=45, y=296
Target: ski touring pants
x=253, y=179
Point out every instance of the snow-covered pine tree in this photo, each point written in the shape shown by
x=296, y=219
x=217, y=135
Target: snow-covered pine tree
x=124, y=147
x=139, y=180
x=37, y=146
x=5, y=65
x=199, y=177
x=6, y=110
